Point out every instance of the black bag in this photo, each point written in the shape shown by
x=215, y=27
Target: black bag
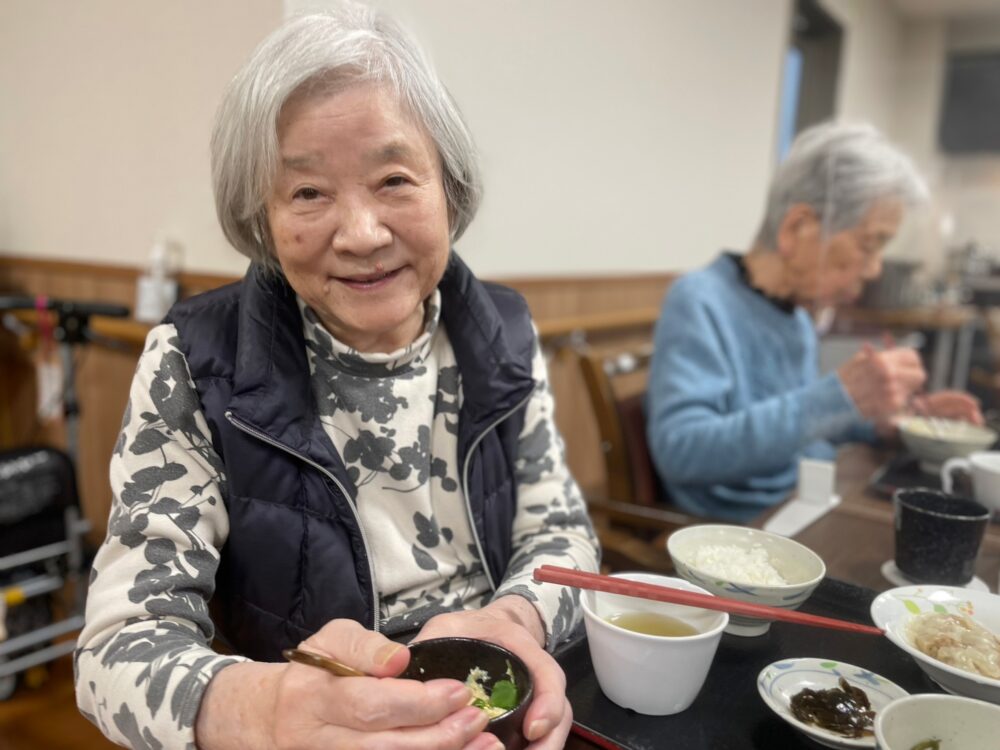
x=37, y=485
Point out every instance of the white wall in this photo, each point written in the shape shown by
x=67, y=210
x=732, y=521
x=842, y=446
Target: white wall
x=616, y=136
x=105, y=114
x=920, y=78
x=866, y=90
x=975, y=34
x=892, y=75
x=965, y=187
x=970, y=185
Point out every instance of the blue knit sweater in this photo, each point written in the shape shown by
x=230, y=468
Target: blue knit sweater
x=735, y=398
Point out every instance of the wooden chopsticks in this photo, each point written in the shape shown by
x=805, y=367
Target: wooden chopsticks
x=609, y=584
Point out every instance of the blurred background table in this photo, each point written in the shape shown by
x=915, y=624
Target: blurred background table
x=952, y=328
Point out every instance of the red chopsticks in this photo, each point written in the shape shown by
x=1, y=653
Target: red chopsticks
x=583, y=580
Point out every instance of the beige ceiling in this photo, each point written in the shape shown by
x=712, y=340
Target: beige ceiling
x=946, y=8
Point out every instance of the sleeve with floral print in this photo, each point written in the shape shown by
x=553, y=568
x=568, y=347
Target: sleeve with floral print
x=551, y=525
x=143, y=658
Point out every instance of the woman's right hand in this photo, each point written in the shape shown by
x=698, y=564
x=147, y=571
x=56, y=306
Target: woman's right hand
x=881, y=383
x=279, y=706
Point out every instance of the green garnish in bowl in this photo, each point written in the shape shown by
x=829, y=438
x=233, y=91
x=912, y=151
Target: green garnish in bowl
x=502, y=698
x=504, y=694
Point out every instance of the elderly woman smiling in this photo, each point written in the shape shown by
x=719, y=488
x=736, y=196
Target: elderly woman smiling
x=355, y=441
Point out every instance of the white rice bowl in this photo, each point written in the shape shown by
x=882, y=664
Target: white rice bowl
x=934, y=441
x=695, y=551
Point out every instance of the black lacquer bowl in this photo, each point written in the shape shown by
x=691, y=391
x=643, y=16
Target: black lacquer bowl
x=454, y=658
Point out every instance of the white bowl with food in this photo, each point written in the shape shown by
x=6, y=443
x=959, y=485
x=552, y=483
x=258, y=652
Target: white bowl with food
x=938, y=722
x=950, y=632
x=746, y=564
x=801, y=691
x=933, y=440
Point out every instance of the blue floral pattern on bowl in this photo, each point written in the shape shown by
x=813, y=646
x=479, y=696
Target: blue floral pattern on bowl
x=779, y=681
x=801, y=567
x=789, y=601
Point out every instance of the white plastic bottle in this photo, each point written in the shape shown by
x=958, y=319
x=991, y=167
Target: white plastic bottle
x=156, y=290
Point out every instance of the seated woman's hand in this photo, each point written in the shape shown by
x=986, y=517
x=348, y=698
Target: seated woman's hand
x=881, y=383
x=949, y=405
x=303, y=707
x=512, y=622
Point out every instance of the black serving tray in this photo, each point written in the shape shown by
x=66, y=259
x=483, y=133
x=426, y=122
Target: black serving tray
x=729, y=713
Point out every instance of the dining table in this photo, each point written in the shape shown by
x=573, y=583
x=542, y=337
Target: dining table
x=855, y=539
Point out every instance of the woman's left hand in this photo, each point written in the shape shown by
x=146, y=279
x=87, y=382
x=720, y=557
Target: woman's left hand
x=949, y=405
x=512, y=622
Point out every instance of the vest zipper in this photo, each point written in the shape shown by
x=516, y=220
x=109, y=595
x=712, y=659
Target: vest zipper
x=243, y=427
x=465, y=484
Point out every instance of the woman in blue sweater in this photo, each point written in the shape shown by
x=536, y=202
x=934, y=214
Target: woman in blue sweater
x=735, y=396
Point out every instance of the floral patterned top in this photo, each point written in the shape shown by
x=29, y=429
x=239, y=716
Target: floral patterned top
x=144, y=657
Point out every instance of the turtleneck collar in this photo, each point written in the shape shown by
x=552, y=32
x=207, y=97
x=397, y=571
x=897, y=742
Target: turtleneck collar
x=371, y=364
x=784, y=304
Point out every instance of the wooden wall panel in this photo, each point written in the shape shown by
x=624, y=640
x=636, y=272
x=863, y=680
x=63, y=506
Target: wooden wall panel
x=562, y=297
x=104, y=374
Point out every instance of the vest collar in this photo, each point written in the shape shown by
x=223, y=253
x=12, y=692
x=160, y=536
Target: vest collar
x=271, y=388
x=496, y=369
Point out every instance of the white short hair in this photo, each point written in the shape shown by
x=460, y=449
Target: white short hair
x=316, y=54
x=840, y=171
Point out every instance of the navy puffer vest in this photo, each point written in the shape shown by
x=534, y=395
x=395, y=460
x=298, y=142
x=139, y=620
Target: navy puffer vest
x=296, y=556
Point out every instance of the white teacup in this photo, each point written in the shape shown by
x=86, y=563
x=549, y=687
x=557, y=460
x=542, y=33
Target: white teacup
x=654, y=675
x=984, y=466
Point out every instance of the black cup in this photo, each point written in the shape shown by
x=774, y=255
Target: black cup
x=937, y=535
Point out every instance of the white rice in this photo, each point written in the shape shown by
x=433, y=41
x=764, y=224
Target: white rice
x=737, y=564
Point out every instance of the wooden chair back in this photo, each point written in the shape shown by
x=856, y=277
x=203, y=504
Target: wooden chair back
x=616, y=384
x=635, y=517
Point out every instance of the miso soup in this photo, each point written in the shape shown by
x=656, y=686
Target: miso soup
x=652, y=623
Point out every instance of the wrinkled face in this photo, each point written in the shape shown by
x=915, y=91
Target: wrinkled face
x=358, y=215
x=832, y=271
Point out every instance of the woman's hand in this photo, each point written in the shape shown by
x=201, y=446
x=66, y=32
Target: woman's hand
x=882, y=383
x=277, y=706
x=512, y=622
x=949, y=405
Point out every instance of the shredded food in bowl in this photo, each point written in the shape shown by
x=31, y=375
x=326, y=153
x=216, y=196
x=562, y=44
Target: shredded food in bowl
x=946, y=430
x=957, y=641
x=502, y=698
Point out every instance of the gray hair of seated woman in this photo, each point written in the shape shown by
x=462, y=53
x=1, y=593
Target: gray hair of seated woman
x=320, y=54
x=840, y=171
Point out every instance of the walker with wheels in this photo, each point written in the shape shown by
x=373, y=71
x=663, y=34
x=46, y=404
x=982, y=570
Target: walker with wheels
x=42, y=549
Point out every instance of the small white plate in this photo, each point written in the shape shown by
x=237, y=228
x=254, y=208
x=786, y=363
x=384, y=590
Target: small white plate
x=778, y=682
x=894, y=575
